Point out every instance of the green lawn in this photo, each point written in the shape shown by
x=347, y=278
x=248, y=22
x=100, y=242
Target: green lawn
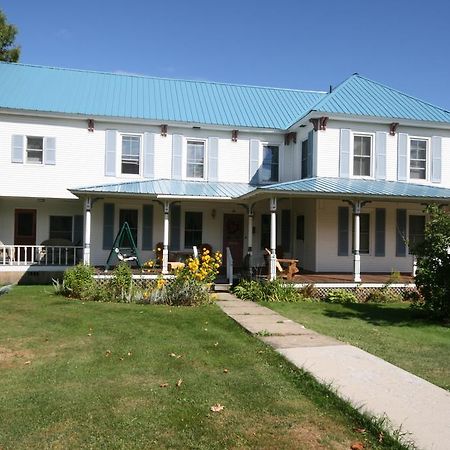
x=89, y=375
x=394, y=332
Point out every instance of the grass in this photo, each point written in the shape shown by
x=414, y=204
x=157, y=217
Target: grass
x=394, y=332
x=88, y=375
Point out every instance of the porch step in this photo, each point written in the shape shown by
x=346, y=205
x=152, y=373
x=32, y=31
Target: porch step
x=222, y=287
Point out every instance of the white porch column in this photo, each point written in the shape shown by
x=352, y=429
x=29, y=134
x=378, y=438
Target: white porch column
x=356, y=233
x=165, y=259
x=87, y=231
x=250, y=237
x=273, y=239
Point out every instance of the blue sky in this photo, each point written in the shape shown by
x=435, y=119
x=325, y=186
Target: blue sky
x=284, y=43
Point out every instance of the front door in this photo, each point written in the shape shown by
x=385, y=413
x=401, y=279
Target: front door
x=25, y=231
x=233, y=237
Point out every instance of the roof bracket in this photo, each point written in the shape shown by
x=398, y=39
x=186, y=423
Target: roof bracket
x=393, y=128
x=164, y=130
x=234, y=135
x=91, y=125
x=319, y=123
x=288, y=137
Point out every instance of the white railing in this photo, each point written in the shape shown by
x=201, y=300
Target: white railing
x=42, y=255
x=229, y=266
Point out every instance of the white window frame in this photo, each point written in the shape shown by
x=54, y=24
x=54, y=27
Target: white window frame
x=26, y=150
x=280, y=159
x=130, y=175
x=427, y=160
x=205, y=158
x=352, y=160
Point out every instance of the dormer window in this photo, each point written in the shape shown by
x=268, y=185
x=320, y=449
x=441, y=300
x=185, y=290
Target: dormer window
x=362, y=151
x=418, y=159
x=270, y=163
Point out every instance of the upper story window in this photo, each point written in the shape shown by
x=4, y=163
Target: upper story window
x=305, y=159
x=131, y=149
x=270, y=163
x=195, y=159
x=362, y=150
x=35, y=150
x=418, y=159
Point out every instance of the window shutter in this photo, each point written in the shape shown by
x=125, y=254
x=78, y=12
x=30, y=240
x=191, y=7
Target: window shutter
x=149, y=155
x=175, y=227
x=343, y=231
x=147, y=227
x=344, y=153
x=78, y=230
x=177, y=156
x=380, y=155
x=436, y=155
x=50, y=150
x=402, y=157
x=108, y=226
x=286, y=229
x=17, y=148
x=380, y=231
x=254, y=161
x=110, y=152
x=400, y=235
x=213, y=159
x=309, y=164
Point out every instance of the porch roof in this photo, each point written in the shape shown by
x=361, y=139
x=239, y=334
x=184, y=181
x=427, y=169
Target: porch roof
x=357, y=187
x=163, y=188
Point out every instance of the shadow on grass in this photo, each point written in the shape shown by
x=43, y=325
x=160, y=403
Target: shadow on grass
x=380, y=315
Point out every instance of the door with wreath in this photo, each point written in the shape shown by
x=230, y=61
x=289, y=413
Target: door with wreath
x=233, y=237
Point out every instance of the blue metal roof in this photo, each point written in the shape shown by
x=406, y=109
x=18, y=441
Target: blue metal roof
x=363, y=97
x=68, y=91
x=173, y=188
x=360, y=187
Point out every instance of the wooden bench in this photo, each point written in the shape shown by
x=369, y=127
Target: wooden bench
x=291, y=264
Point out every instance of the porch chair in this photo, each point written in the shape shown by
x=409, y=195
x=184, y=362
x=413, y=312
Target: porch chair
x=4, y=253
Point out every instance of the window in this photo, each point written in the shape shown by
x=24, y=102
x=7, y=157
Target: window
x=416, y=233
x=265, y=231
x=195, y=159
x=305, y=159
x=418, y=159
x=269, y=168
x=301, y=228
x=364, y=233
x=35, y=149
x=193, y=224
x=362, y=149
x=131, y=149
x=61, y=227
x=131, y=217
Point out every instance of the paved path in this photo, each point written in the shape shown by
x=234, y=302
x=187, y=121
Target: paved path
x=418, y=408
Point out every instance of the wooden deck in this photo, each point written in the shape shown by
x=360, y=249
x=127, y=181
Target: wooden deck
x=348, y=278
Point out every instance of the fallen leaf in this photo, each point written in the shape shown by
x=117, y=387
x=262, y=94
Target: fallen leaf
x=120, y=359
x=359, y=430
x=205, y=329
x=260, y=352
x=179, y=382
x=164, y=385
x=225, y=370
x=216, y=344
x=217, y=407
x=174, y=355
x=108, y=353
x=89, y=334
x=357, y=446
x=27, y=363
x=129, y=353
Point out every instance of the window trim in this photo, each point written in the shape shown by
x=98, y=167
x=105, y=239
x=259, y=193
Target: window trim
x=131, y=175
x=261, y=157
x=61, y=215
x=427, y=158
x=26, y=150
x=352, y=160
x=205, y=158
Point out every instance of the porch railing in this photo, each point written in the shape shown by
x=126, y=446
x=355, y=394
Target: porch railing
x=229, y=266
x=41, y=255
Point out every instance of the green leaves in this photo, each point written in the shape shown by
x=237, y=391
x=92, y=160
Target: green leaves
x=8, y=32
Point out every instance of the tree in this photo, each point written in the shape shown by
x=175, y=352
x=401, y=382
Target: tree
x=433, y=263
x=8, y=52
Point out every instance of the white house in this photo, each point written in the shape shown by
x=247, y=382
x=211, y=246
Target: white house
x=337, y=180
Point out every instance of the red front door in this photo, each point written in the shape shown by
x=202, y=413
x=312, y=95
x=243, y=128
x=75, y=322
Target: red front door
x=233, y=237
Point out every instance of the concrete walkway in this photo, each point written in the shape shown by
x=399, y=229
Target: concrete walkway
x=418, y=408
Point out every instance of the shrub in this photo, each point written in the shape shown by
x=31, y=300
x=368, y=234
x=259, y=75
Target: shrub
x=78, y=281
x=267, y=291
x=309, y=291
x=383, y=295
x=186, y=292
x=341, y=296
x=121, y=283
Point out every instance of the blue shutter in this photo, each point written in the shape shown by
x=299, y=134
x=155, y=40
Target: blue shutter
x=400, y=235
x=254, y=161
x=175, y=227
x=50, y=150
x=309, y=164
x=78, y=230
x=213, y=159
x=110, y=152
x=108, y=226
x=177, y=156
x=380, y=231
x=402, y=157
x=286, y=229
x=344, y=153
x=147, y=227
x=149, y=155
x=380, y=155
x=17, y=148
x=436, y=155
x=343, y=230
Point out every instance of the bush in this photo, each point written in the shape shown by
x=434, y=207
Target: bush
x=79, y=281
x=121, y=283
x=341, y=296
x=267, y=291
x=383, y=296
